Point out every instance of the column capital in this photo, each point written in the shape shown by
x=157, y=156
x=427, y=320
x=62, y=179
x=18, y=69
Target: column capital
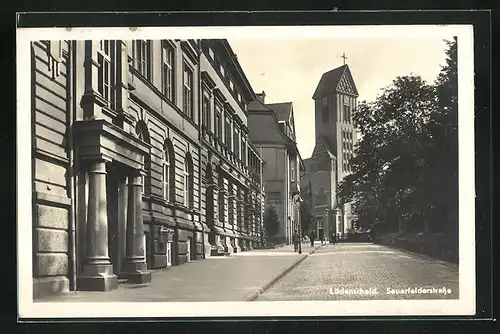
x=97, y=167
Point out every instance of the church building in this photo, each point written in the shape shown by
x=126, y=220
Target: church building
x=335, y=99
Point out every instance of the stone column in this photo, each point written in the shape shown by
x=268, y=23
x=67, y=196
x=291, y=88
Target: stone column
x=97, y=273
x=135, y=263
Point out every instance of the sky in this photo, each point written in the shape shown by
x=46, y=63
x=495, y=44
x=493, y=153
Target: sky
x=290, y=69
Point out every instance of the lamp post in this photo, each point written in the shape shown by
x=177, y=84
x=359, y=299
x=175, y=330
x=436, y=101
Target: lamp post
x=299, y=200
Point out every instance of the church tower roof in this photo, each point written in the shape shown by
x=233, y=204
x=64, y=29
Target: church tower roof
x=337, y=80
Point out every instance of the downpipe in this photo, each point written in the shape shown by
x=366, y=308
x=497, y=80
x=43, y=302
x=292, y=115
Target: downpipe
x=70, y=72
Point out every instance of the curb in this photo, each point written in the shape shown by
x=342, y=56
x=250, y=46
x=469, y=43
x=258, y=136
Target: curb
x=266, y=287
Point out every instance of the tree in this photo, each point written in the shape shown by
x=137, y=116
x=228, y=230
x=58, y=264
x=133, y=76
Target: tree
x=406, y=162
x=306, y=216
x=271, y=221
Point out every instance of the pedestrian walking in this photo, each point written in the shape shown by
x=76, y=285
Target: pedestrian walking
x=296, y=240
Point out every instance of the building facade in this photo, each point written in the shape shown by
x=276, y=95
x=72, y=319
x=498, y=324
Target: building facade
x=335, y=99
x=231, y=165
x=120, y=155
x=272, y=129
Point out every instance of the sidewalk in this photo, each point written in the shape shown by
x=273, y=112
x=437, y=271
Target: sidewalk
x=238, y=277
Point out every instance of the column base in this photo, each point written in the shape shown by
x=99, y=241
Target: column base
x=137, y=273
x=97, y=278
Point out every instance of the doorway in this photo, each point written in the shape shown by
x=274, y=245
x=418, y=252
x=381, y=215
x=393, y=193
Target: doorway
x=321, y=234
x=116, y=198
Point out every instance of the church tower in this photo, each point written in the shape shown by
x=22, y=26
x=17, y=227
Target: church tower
x=335, y=99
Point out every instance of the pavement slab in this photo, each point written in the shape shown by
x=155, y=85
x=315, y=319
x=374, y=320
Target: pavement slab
x=225, y=278
x=365, y=271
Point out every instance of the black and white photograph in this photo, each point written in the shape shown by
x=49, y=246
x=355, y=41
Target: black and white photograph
x=246, y=171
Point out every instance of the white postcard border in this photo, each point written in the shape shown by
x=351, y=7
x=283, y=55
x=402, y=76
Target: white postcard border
x=465, y=305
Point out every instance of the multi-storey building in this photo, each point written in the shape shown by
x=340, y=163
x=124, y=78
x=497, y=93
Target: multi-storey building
x=119, y=175
x=272, y=129
x=231, y=165
x=334, y=101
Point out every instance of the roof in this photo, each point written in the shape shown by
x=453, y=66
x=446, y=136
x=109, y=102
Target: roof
x=329, y=81
x=282, y=110
x=322, y=143
x=256, y=105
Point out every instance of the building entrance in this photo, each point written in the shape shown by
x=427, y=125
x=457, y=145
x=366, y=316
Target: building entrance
x=321, y=234
x=116, y=190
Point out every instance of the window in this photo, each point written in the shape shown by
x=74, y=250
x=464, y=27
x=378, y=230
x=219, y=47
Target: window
x=142, y=133
x=325, y=114
x=227, y=131
x=104, y=72
x=188, y=91
x=168, y=70
x=187, y=182
x=221, y=200
x=231, y=86
x=231, y=202
x=292, y=176
x=347, y=114
x=211, y=53
x=320, y=223
x=218, y=121
x=321, y=196
x=282, y=126
x=222, y=70
x=206, y=112
x=324, y=110
x=142, y=55
x=236, y=142
x=166, y=175
x=243, y=150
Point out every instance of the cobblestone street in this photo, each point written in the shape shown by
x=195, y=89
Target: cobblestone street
x=373, y=268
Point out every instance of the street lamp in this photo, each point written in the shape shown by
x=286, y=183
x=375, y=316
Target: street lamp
x=299, y=200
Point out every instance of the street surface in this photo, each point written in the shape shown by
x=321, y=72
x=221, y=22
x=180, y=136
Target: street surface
x=368, y=270
x=225, y=278
x=320, y=273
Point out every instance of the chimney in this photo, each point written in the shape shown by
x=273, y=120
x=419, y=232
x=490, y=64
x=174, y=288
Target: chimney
x=261, y=96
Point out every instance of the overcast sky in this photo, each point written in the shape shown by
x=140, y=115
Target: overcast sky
x=289, y=70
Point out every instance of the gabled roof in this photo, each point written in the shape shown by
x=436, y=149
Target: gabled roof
x=322, y=146
x=330, y=80
x=282, y=110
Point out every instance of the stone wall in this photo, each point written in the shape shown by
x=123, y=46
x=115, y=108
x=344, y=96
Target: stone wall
x=50, y=167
